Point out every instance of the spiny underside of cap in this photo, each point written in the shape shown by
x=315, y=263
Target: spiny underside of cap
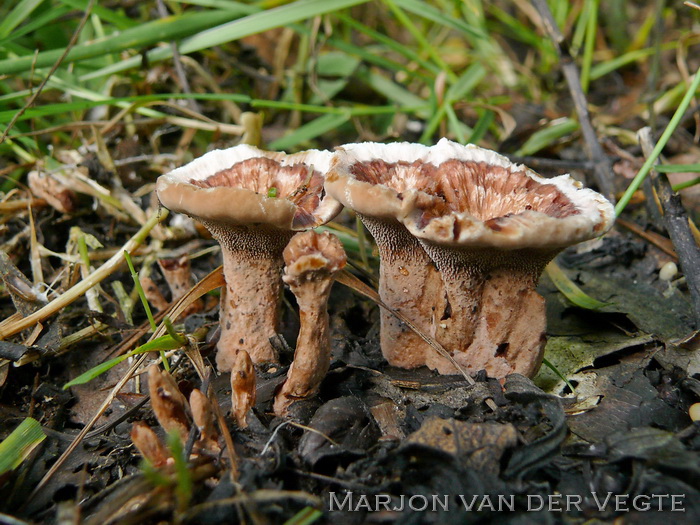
x=456, y=194
x=479, y=189
x=299, y=183
x=270, y=187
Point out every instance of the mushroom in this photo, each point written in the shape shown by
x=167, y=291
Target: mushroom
x=491, y=226
x=252, y=201
x=205, y=420
x=168, y=403
x=171, y=410
x=311, y=260
x=178, y=275
x=149, y=444
x=243, y=383
x=374, y=180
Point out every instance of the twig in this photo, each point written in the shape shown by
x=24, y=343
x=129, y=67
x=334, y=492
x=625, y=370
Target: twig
x=602, y=165
x=661, y=242
x=677, y=225
x=60, y=60
x=91, y=280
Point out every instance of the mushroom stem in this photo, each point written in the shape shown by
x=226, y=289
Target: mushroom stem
x=496, y=321
x=248, y=311
x=409, y=283
x=510, y=336
x=311, y=260
x=251, y=201
x=455, y=324
x=249, y=314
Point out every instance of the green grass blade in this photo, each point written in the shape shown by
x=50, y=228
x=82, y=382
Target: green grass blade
x=677, y=168
x=389, y=43
x=422, y=41
x=230, y=31
x=546, y=362
x=425, y=10
x=547, y=136
x=589, y=45
x=305, y=516
x=19, y=444
x=467, y=81
x=95, y=371
x=310, y=131
x=184, y=483
x=21, y=12
x=160, y=344
x=391, y=90
x=139, y=289
x=572, y=292
x=485, y=120
x=672, y=125
x=170, y=28
x=37, y=22
x=687, y=184
x=114, y=17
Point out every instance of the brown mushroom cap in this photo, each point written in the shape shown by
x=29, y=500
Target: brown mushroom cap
x=251, y=201
x=481, y=199
x=312, y=255
x=455, y=194
x=231, y=186
x=373, y=179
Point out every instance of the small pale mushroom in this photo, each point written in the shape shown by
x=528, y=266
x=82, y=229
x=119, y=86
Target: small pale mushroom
x=168, y=403
x=149, y=444
x=375, y=180
x=491, y=226
x=178, y=275
x=311, y=260
x=252, y=201
x=243, y=383
x=203, y=416
x=171, y=410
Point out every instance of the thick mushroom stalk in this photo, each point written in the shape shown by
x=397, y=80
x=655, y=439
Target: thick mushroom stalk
x=311, y=261
x=374, y=181
x=252, y=202
x=491, y=226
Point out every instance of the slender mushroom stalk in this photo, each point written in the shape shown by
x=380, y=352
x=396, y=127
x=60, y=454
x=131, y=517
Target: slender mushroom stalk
x=311, y=261
x=252, y=202
x=375, y=180
x=491, y=226
x=243, y=382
